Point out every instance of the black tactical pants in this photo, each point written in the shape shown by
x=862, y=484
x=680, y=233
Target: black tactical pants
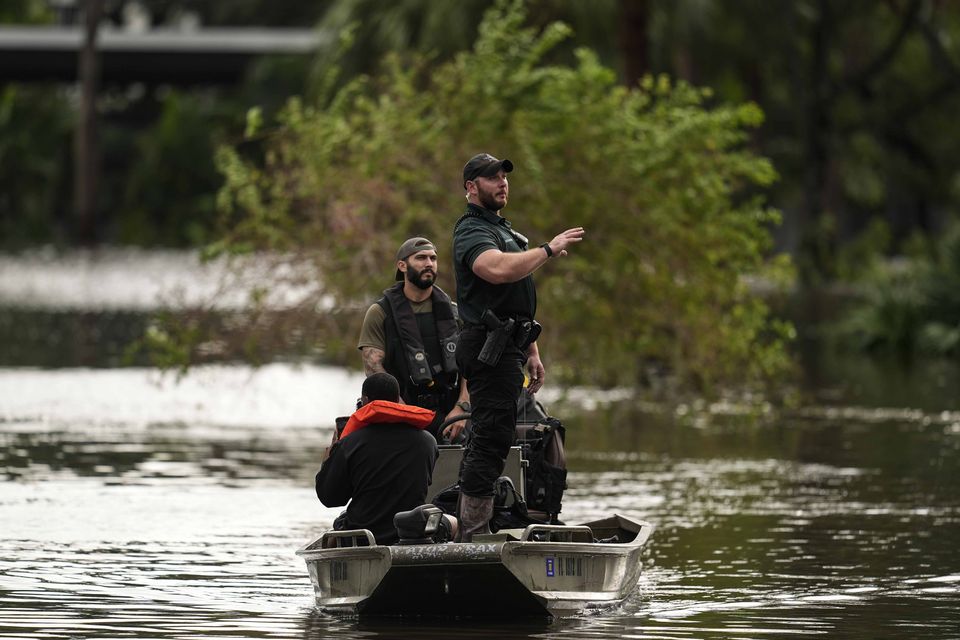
x=494, y=391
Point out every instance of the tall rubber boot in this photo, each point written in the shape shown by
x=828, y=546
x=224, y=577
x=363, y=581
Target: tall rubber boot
x=474, y=515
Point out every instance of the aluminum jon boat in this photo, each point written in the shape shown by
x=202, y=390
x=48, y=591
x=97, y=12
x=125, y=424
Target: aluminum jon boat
x=542, y=570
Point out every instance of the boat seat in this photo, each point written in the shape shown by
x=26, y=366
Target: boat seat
x=556, y=533
x=418, y=525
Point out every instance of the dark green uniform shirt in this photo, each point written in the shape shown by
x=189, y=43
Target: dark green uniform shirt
x=479, y=231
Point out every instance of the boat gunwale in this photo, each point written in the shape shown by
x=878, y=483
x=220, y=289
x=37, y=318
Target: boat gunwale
x=477, y=552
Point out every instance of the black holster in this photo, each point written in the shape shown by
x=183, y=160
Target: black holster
x=498, y=334
x=527, y=332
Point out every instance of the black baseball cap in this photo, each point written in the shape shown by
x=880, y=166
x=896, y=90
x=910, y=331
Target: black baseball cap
x=484, y=164
x=410, y=247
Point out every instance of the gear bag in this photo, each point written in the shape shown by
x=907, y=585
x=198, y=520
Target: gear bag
x=542, y=446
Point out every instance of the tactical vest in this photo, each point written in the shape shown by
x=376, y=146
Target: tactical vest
x=421, y=349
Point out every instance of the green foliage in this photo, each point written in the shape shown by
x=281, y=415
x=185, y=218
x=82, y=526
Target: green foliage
x=378, y=28
x=157, y=180
x=661, y=181
x=860, y=98
x=912, y=305
x=24, y=11
x=864, y=254
x=170, y=341
x=166, y=193
x=35, y=127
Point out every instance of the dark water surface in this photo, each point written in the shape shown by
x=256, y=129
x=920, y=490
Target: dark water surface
x=136, y=510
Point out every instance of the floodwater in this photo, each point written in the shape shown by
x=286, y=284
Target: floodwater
x=133, y=505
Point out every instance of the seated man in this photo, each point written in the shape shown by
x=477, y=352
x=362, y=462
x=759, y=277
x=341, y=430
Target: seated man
x=382, y=463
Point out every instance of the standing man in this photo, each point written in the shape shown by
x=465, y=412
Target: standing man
x=497, y=299
x=411, y=333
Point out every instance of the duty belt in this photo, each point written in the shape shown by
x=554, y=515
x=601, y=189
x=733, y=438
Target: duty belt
x=523, y=333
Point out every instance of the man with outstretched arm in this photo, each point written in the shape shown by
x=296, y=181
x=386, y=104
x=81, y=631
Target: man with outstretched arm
x=497, y=301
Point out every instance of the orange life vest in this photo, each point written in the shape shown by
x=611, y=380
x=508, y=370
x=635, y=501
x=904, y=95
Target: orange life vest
x=386, y=412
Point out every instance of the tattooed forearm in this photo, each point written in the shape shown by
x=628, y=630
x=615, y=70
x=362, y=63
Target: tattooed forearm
x=372, y=360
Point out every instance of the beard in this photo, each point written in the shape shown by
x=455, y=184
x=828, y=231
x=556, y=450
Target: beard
x=488, y=200
x=420, y=279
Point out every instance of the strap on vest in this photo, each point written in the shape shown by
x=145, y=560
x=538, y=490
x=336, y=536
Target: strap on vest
x=415, y=355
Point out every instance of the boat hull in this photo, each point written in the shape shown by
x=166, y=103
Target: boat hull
x=545, y=570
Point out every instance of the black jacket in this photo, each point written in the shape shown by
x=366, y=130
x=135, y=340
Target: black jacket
x=381, y=469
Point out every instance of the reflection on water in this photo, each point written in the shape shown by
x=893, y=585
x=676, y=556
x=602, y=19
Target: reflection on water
x=86, y=308
x=113, y=278
x=897, y=383
x=212, y=396
x=135, y=508
x=57, y=338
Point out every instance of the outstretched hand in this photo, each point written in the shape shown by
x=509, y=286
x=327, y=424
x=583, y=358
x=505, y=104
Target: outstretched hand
x=563, y=240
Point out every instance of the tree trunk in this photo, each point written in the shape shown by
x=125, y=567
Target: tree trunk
x=634, y=39
x=87, y=153
x=818, y=243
